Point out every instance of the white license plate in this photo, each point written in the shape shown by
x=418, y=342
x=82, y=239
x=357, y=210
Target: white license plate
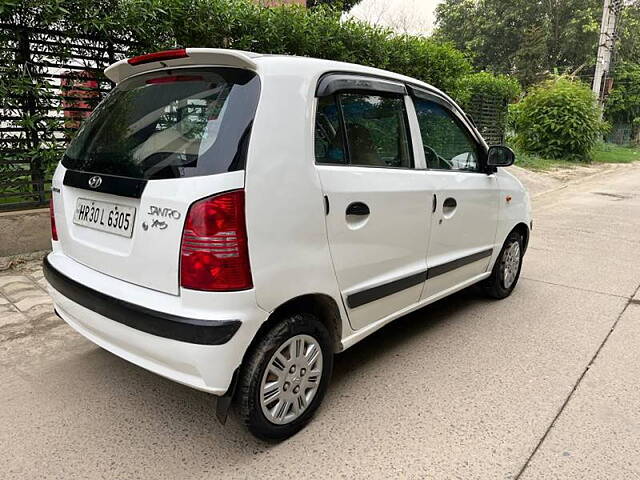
x=105, y=216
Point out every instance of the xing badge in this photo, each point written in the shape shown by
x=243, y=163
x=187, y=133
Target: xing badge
x=158, y=224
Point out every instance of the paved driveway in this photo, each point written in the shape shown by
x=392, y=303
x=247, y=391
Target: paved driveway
x=541, y=385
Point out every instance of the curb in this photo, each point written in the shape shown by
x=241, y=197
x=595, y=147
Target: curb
x=13, y=261
x=608, y=169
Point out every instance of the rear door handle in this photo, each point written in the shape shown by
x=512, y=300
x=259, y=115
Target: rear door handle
x=450, y=203
x=358, y=208
x=449, y=207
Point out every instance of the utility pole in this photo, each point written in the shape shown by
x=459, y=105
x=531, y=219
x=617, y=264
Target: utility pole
x=606, y=47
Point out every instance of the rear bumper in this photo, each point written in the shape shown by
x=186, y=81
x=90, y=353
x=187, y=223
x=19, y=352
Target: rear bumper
x=196, y=352
x=201, y=332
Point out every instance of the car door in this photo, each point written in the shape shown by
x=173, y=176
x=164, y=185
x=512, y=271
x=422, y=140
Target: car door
x=466, y=199
x=378, y=203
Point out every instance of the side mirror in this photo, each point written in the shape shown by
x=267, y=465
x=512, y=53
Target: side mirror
x=500, y=156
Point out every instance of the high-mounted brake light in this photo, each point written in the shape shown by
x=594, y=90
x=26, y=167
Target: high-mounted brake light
x=158, y=56
x=174, y=78
x=54, y=230
x=214, y=254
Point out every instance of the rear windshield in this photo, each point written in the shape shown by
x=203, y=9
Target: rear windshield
x=169, y=124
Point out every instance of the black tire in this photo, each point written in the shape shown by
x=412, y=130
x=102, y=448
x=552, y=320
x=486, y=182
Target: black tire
x=253, y=370
x=494, y=286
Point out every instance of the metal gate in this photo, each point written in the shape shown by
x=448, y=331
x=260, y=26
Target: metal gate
x=49, y=81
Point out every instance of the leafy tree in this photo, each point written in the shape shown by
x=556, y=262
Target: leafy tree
x=628, y=45
x=623, y=103
x=522, y=37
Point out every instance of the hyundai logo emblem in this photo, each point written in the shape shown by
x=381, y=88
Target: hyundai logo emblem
x=95, y=181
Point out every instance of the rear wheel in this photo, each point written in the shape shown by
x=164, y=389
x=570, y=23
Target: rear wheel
x=285, y=377
x=506, y=271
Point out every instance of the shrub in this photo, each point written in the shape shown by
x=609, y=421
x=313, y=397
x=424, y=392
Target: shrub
x=558, y=119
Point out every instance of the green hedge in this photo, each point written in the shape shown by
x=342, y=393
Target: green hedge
x=243, y=24
x=489, y=85
x=292, y=30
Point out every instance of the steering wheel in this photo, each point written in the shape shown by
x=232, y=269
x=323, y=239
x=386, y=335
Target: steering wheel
x=432, y=158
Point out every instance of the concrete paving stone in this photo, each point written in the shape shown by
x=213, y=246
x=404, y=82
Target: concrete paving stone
x=40, y=311
x=7, y=279
x=7, y=307
x=29, y=303
x=12, y=318
x=17, y=287
x=598, y=433
x=37, y=274
x=33, y=291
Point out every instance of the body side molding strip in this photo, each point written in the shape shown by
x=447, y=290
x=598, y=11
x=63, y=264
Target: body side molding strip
x=376, y=293
x=372, y=294
x=457, y=263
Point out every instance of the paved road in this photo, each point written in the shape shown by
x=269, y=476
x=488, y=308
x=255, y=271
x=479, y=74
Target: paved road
x=541, y=385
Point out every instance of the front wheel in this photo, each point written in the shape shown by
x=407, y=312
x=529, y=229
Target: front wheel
x=285, y=377
x=506, y=271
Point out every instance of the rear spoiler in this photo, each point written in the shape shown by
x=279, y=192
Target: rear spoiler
x=124, y=69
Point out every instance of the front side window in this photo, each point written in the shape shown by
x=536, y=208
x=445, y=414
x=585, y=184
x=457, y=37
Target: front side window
x=363, y=130
x=170, y=124
x=447, y=144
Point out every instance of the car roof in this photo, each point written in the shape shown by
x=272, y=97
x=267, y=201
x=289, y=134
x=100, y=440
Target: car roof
x=312, y=68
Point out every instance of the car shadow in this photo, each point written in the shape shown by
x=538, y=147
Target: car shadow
x=172, y=407
x=411, y=326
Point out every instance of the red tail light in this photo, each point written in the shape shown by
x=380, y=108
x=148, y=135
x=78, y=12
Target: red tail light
x=214, y=254
x=54, y=230
x=158, y=56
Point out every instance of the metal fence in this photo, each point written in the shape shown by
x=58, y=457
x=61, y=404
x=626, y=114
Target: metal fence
x=490, y=116
x=49, y=81
x=621, y=134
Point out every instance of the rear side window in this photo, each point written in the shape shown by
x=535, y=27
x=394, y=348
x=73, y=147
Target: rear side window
x=363, y=130
x=329, y=138
x=170, y=124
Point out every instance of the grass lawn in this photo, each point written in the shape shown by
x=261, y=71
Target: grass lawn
x=603, y=153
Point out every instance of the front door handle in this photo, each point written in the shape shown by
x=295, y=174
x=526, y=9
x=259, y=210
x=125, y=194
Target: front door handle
x=358, y=208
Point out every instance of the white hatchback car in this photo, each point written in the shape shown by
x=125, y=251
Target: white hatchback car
x=231, y=220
